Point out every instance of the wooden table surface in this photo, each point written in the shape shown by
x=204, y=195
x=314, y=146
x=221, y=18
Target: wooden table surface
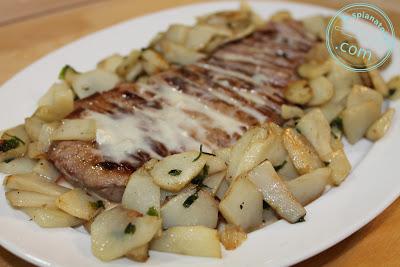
x=29, y=29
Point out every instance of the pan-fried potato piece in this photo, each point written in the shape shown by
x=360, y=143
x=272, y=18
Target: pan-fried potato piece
x=269, y=216
x=340, y=166
x=174, y=172
x=222, y=189
x=331, y=110
x=33, y=125
x=360, y=94
x=336, y=142
x=298, y=92
x=187, y=210
x=34, y=151
x=77, y=203
x=322, y=91
x=68, y=74
x=288, y=172
x=52, y=218
x=46, y=169
x=45, y=136
x=242, y=204
x=117, y=231
x=231, y=236
x=179, y=54
x=57, y=105
x=199, y=35
x=379, y=82
x=153, y=62
x=275, y=192
x=315, y=25
x=248, y=151
x=214, y=164
x=18, y=166
x=281, y=15
x=141, y=193
x=110, y=63
x=140, y=254
x=301, y=153
x=14, y=143
x=76, y=129
x=310, y=186
x=316, y=129
x=343, y=81
x=224, y=154
x=25, y=199
x=291, y=112
x=275, y=152
x=189, y=240
x=318, y=53
x=394, y=87
x=312, y=69
x=379, y=128
x=357, y=120
x=177, y=33
x=95, y=81
x=33, y=183
x=128, y=63
x=213, y=182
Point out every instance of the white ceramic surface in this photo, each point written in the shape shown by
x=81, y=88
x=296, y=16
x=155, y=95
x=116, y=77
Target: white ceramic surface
x=371, y=187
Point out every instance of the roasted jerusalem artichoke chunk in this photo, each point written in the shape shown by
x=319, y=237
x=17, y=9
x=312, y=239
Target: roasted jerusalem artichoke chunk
x=174, y=172
x=275, y=192
x=189, y=240
x=301, y=153
x=118, y=231
x=242, y=204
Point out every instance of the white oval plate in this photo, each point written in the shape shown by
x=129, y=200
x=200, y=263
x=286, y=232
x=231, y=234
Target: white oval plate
x=371, y=187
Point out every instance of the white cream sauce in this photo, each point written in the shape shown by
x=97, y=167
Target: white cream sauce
x=123, y=135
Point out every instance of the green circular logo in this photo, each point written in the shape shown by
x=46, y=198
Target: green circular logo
x=361, y=37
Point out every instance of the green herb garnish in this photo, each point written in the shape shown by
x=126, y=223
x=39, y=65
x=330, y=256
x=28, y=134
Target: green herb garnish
x=198, y=180
x=298, y=130
x=189, y=201
x=277, y=168
x=12, y=143
x=97, y=205
x=8, y=160
x=337, y=123
x=175, y=172
x=391, y=92
x=130, y=229
x=152, y=212
x=201, y=152
x=64, y=70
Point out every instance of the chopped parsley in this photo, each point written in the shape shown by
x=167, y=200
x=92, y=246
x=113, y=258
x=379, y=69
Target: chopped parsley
x=8, y=160
x=337, y=123
x=392, y=91
x=277, y=168
x=152, y=212
x=189, y=201
x=130, y=229
x=175, y=172
x=201, y=152
x=97, y=205
x=12, y=143
x=198, y=180
x=64, y=70
x=298, y=130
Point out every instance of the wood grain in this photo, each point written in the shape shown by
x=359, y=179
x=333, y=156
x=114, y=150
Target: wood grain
x=24, y=41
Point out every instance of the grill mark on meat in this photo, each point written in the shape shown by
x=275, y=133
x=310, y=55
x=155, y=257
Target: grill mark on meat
x=242, y=80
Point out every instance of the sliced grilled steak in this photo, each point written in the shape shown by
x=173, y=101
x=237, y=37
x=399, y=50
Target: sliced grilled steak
x=211, y=102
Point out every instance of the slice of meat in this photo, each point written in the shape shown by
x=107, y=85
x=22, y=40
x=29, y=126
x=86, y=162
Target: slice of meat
x=211, y=102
